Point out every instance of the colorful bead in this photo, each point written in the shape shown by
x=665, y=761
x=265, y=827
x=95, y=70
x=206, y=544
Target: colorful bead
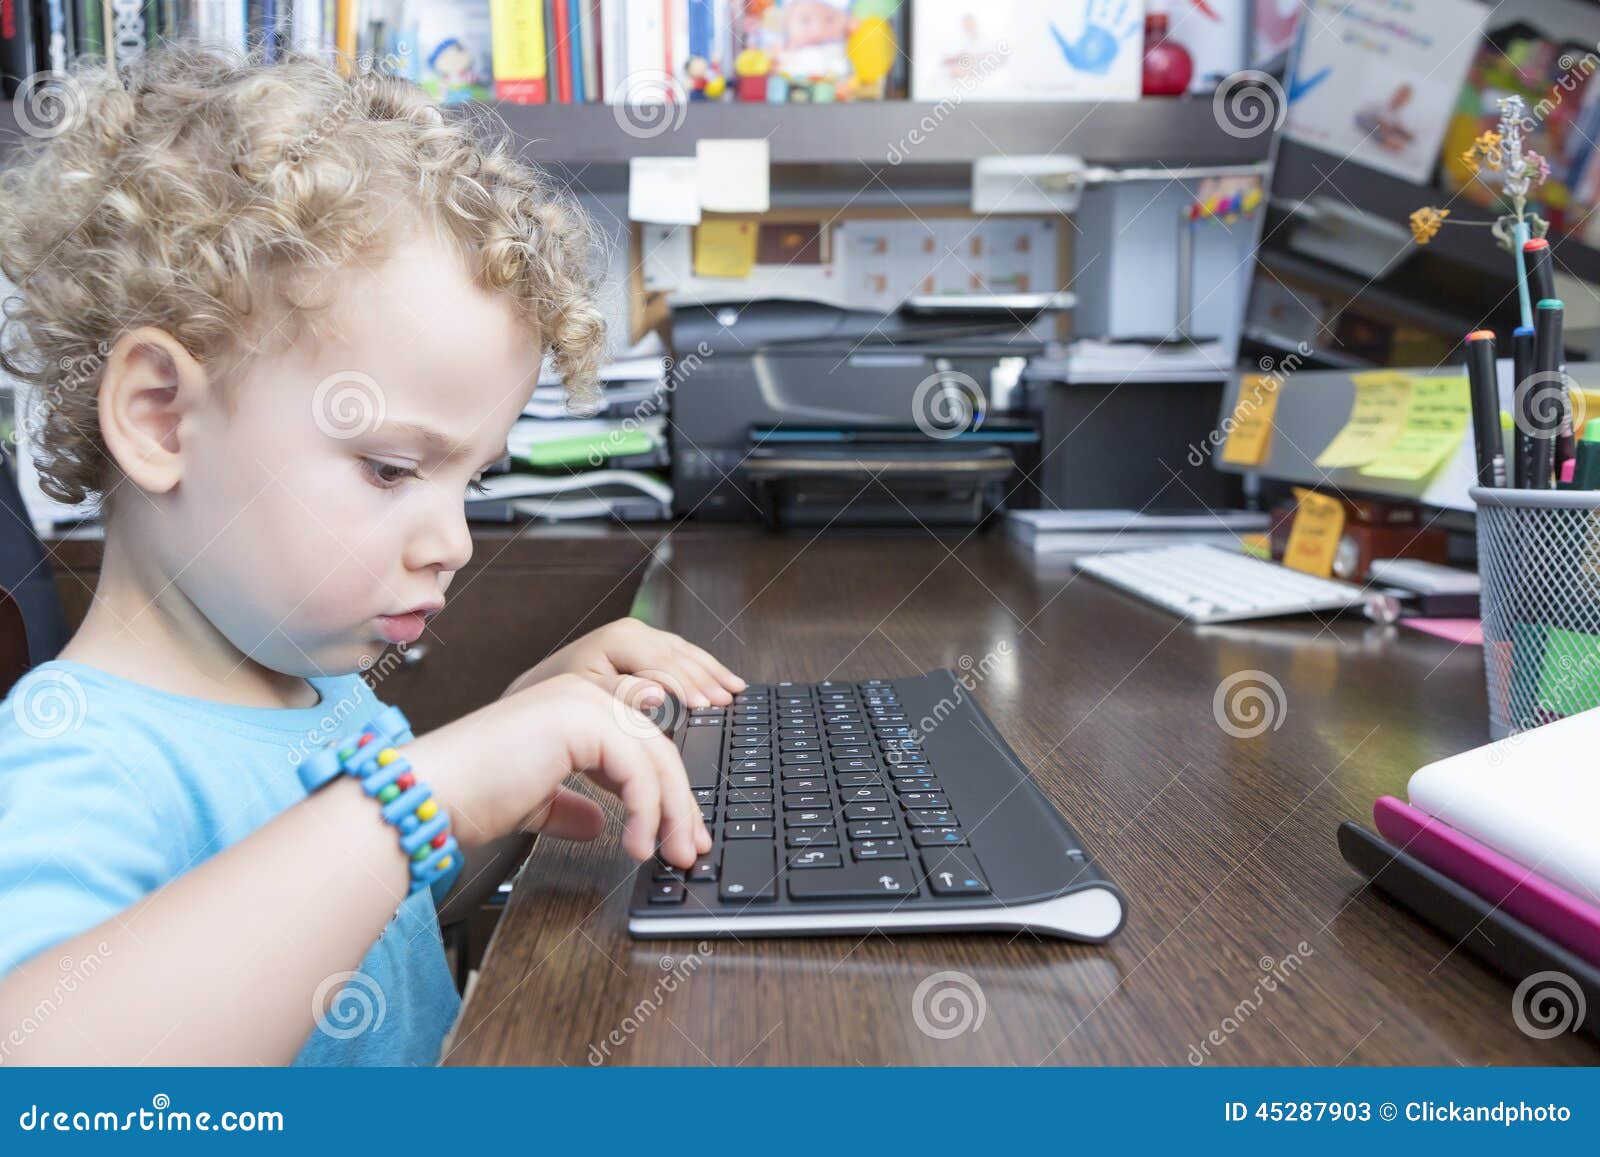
x=387, y=756
x=427, y=810
x=388, y=792
x=422, y=853
x=405, y=781
x=365, y=739
x=346, y=752
x=444, y=863
x=441, y=839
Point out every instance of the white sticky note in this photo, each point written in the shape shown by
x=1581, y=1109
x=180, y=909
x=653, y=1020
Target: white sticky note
x=664, y=190
x=734, y=175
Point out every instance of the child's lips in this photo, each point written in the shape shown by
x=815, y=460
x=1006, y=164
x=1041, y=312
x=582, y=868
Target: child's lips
x=406, y=627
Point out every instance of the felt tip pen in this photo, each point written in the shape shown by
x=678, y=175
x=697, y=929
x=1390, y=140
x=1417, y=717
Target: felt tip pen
x=1521, y=371
x=1485, y=388
x=1541, y=273
x=1587, y=474
x=1542, y=403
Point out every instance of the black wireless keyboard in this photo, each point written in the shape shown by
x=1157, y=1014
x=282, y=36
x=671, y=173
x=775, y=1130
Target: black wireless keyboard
x=889, y=804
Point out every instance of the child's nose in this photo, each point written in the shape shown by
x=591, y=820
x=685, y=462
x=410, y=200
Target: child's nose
x=441, y=540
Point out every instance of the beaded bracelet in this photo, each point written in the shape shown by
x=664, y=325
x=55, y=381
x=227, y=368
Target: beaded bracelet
x=372, y=755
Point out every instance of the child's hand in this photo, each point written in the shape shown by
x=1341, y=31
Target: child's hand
x=500, y=770
x=609, y=654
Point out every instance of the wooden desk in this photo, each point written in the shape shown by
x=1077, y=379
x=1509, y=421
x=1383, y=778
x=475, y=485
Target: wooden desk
x=1225, y=846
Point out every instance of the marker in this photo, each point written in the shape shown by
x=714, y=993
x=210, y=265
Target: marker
x=1521, y=371
x=1543, y=404
x=1541, y=273
x=1481, y=376
x=1587, y=475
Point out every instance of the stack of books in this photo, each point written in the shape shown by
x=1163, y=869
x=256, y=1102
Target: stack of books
x=608, y=462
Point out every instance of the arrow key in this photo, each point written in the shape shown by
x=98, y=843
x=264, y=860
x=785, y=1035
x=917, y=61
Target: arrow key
x=954, y=872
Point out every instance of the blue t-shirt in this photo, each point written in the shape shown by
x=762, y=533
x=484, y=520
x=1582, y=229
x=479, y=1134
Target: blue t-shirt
x=109, y=789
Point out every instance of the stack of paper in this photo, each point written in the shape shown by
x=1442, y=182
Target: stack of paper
x=600, y=462
x=1098, y=531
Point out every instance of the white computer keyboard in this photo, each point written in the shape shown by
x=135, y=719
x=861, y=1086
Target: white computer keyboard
x=1210, y=585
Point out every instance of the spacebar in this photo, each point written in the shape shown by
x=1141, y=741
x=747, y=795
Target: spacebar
x=702, y=749
x=867, y=880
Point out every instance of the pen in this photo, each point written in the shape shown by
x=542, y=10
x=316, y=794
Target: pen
x=1485, y=387
x=1521, y=371
x=1542, y=403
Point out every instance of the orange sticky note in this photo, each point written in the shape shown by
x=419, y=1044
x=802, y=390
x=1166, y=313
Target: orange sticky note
x=1250, y=429
x=1314, y=537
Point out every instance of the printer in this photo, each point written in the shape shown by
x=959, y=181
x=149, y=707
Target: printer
x=806, y=413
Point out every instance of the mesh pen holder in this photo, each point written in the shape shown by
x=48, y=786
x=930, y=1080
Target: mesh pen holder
x=1539, y=566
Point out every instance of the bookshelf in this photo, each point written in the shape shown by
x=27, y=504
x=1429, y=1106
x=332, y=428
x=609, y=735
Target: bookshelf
x=1170, y=131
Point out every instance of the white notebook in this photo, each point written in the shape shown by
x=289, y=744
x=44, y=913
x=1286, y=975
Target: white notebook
x=1532, y=797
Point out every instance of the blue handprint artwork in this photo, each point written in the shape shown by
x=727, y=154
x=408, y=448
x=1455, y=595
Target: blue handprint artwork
x=1107, y=27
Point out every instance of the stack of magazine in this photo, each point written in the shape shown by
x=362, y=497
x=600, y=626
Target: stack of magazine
x=1097, y=531
x=608, y=462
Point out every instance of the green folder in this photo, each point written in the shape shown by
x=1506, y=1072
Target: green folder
x=588, y=449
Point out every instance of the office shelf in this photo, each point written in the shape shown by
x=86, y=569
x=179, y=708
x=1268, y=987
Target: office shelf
x=1303, y=171
x=879, y=134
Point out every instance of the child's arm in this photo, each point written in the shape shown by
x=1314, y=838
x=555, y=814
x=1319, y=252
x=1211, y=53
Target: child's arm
x=219, y=966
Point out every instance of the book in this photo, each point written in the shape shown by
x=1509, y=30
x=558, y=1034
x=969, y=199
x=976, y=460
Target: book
x=454, y=41
x=517, y=34
x=1382, y=100
x=561, y=30
x=1027, y=50
x=18, y=59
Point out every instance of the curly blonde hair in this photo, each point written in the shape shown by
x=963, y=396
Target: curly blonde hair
x=195, y=190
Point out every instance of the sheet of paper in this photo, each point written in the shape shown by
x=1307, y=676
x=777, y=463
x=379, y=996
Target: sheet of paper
x=1314, y=537
x=1375, y=420
x=664, y=190
x=724, y=248
x=734, y=174
x=668, y=256
x=1250, y=434
x=1435, y=421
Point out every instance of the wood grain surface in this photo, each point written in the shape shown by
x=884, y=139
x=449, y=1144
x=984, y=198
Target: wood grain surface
x=1245, y=926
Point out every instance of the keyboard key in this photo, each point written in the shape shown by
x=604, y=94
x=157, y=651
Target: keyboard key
x=862, y=766
x=705, y=795
x=749, y=795
x=873, y=830
x=935, y=837
x=708, y=812
x=670, y=892
x=749, y=872
x=807, y=801
x=812, y=838
x=750, y=779
x=924, y=799
x=807, y=784
x=921, y=783
x=739, y=765
x=872, y=811
x=750, y=811
x=954, y=872
x=864, y=795
x=665, y=872
x=800, y=758
x=853, y=881
x=702, y=747
x=799, y=744
x=878, y=850
x=808, y=819
x=705, y=868
x=747, y=830
x=942, y=818
x=860, y=779
x=855, y=752
x=815, y=858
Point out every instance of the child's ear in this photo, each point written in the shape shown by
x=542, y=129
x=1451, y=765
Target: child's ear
x=150, y=384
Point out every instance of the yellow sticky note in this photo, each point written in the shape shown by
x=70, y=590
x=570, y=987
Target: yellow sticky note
x=724, y=248
x=1375, y=420
x=1435, y=422
x=1314, y=536
x=1250, y=431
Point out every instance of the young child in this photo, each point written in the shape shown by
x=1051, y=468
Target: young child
x=280, y=321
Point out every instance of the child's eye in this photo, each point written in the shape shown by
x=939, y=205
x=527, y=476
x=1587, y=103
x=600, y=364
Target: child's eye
x=476, y=486
x=386, y=475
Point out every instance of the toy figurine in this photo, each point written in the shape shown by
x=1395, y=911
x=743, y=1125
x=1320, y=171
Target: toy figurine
x=752, y=67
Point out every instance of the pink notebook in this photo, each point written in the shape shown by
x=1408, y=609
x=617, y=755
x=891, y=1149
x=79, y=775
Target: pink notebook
x=1522, y=893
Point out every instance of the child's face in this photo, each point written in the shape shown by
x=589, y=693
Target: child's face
x=323, y=516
